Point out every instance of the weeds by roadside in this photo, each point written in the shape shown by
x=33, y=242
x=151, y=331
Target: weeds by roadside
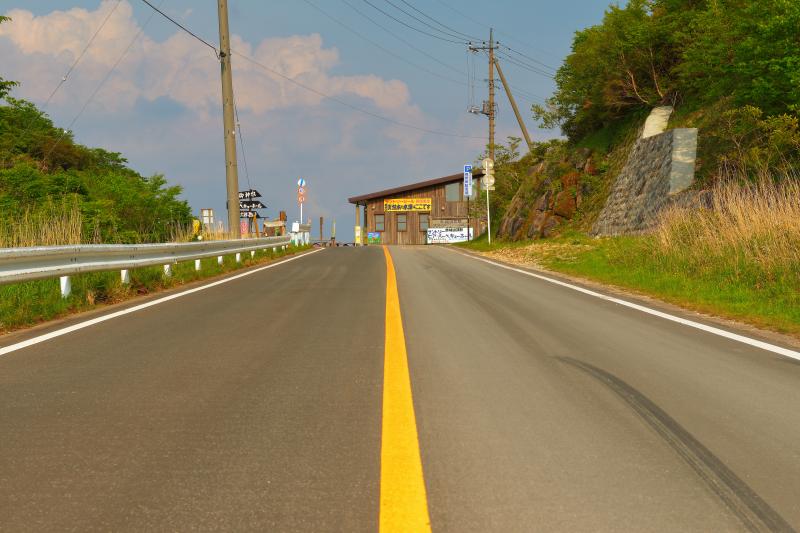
x=739, y=259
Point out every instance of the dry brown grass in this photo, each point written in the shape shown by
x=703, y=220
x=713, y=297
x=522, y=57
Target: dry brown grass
x=50, y=225
x=748, y=226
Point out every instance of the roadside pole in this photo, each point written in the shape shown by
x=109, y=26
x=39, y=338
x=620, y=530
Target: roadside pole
x=231, y=172
x=488, y=217
x=488, y=184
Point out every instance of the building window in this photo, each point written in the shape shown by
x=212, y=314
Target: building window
x=401, y=222
x=379, y=223
x=424, y=222
x=452, y=192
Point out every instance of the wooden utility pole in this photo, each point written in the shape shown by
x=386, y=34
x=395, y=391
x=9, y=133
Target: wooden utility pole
x=491, y=94
x=231, y=171
x=514, y=106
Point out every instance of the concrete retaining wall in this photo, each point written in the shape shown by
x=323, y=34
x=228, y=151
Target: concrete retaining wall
x=659, y=167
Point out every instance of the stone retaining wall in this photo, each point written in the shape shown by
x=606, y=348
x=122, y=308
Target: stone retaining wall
x=658, y=169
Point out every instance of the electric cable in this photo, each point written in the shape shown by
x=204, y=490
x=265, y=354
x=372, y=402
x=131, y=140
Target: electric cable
x=472, y=37
x=353, y=107
x=181, y=26
x=483, y=24
x=77, y=60
x=529, y=58
x=400, y=38
x=320, y=93
x=102, y=82
x=448, y=33
x=410, y=26
x=379, y=46
x=241, y=143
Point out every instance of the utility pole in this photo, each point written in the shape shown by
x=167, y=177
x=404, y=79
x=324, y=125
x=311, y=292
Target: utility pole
x=231, y=171
x=514, y=106
x=491, y=94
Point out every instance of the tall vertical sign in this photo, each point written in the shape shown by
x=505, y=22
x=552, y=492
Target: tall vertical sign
x=301, y=196
x=468, y=192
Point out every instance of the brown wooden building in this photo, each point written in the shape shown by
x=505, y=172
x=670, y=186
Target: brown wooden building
x=402, y=215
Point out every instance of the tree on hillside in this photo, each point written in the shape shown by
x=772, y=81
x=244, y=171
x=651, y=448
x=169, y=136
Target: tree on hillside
x=690, y=52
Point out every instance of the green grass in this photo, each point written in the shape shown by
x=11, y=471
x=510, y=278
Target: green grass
x=732, y=289
x=27, y=304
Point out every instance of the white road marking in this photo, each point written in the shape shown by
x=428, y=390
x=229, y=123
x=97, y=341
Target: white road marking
x=692, y=324
x=81, y=325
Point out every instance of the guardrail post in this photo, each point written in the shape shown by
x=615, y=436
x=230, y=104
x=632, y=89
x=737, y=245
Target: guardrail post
x=66, y=286
x=197, y=264
x=167, y=270
x=219, y=259
x=274, y=249
x=252, y=254
x=238, y=257
x=125, y=277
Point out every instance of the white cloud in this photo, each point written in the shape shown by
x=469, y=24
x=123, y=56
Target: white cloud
x=179, y=67
x=161, y=109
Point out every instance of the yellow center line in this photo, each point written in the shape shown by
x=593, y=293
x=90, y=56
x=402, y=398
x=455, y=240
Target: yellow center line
x=404, y=505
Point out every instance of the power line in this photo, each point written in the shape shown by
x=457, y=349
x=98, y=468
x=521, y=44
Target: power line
x=525, y=66
x=377, y=45
x=448, y=33
x=181, y=26
x=439, y=23
x=103, y=82
x=529, y=58
x=83, y=52
x=241, y=143
x=74, y=64
x=353, y=107
x=483, y=24
x=401, y=39
x=315, y=91
x=410, y=26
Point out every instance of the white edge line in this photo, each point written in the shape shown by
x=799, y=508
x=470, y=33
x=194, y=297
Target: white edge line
x=75, y=327
x=692, y=324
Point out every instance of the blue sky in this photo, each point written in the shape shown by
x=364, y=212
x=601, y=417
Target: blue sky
x=160, y=107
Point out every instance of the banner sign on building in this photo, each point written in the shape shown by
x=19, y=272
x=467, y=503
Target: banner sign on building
x=373, y=237
x=448, y=235
x=407, y=204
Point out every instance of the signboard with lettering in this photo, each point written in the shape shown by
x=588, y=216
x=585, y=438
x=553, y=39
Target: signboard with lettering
x=247, y=195
x=407, y=204
x=448, y=235
x=251, y=204
x=468, y=180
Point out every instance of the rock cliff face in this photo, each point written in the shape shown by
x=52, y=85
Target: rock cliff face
x=551, y=196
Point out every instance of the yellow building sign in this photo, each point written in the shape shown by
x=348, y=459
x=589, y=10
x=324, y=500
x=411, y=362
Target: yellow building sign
x=407, y=204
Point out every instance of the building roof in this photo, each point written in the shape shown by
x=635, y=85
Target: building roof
x=477, y=172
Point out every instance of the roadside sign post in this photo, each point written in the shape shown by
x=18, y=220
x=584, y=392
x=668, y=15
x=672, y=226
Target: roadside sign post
x=488, y=183
x=247, y=210
x=301, y=195
x=468, y=192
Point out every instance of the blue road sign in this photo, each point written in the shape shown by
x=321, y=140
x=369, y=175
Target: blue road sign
x=468, y=180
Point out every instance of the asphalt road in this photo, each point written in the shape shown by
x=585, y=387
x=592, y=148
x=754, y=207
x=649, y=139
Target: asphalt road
x=257, y=405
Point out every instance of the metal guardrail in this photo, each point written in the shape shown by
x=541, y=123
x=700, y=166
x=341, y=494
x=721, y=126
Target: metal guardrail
x=41, y=262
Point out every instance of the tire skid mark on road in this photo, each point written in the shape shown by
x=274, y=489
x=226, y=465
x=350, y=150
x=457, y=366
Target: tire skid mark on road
x=754, y=513
x=403, y=500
